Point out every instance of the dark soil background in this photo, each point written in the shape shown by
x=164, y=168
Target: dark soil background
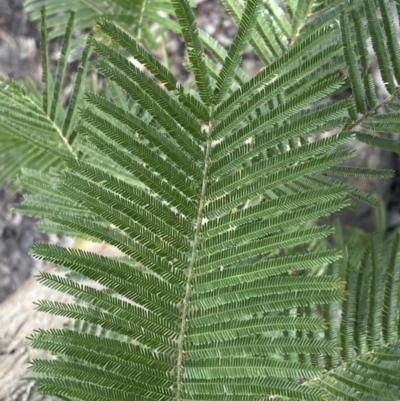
x=20, y=58
x=17, y=234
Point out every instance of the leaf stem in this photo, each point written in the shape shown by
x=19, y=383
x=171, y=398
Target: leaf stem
x=373, y=110
x=191, y=270
x=56, y=128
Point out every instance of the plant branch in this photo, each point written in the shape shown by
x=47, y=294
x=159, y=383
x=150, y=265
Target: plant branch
x=191, y=271
x=371, y=112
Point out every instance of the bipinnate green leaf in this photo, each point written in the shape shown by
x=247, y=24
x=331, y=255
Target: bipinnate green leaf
x=134, y=17
x=35, y=128
x=211, y=193
x=370, y=361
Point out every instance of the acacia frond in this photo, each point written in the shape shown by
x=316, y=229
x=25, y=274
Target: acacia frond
x=211, y=192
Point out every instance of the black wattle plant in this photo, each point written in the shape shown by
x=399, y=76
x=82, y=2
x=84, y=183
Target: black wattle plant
x=209, y=190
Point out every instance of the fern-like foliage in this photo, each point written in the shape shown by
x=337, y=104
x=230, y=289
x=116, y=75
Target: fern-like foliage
x=36, y=131
x=209, y=191
x=368, y=366
x=147, y=20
